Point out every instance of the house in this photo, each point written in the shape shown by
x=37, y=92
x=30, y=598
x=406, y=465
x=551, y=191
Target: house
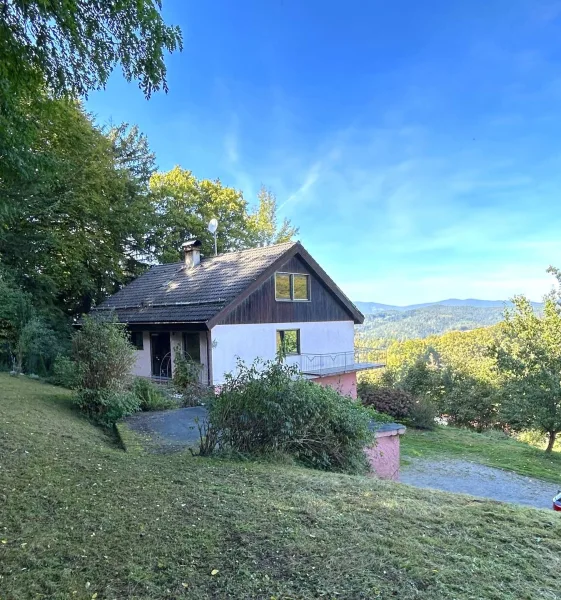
x=247, y=304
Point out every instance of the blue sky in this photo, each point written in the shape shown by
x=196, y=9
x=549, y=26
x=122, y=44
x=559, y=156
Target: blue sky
x=417, y=145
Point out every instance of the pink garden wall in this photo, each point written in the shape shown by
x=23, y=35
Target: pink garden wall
x=383, y=456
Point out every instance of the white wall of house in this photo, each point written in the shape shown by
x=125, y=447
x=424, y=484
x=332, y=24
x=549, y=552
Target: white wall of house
x=251, y=341
x=143, y=365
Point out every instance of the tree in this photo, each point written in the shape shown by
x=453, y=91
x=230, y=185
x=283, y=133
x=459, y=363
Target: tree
x=185, y=205
x=75, y=219
x=16, y=311
x=264, y=221
x=75, y=45
x=529, y=360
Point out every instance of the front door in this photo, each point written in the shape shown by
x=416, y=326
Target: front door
x=160, y=348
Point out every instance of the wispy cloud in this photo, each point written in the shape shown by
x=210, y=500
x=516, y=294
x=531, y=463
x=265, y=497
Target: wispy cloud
x=310, y=179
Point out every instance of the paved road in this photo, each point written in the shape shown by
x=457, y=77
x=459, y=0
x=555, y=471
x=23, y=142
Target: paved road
x=171, y=429
x=465, y=477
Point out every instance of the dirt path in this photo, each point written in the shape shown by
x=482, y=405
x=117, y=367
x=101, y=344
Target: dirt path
x=461, y=476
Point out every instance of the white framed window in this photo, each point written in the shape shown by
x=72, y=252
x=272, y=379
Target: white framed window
x=292, y=287
x=288, y=342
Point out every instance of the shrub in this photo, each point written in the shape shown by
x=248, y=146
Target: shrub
x=266, y=409
x=104, y=354
x=66, y=373
x=107, y=406
x=471, y=403
x=105, y=357
x=422, y=378
x=422, y=414
x=150, y=397
x=187, y=379
x=394, y=402
x=37, y=347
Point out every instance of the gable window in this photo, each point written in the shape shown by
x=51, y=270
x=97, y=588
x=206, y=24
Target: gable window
x=288, y=341
x=292, y=287
x=283, y=286
x=137, y=339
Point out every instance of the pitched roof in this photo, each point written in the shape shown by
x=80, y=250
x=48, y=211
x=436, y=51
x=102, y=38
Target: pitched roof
x=173, y=294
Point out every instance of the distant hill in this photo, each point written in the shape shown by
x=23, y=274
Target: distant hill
x=373, y=307
x=434, y=319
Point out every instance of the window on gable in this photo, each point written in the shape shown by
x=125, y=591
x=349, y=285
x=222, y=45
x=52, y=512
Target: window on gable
x=282, y=286
x=292, y=287
x=288, y=341
x=137, y=339
x=300, y=285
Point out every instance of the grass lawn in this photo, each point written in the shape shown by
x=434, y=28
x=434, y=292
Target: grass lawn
x=80, y=518
x=493, y=449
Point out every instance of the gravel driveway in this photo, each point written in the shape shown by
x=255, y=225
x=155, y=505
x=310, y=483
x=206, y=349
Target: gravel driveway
x=461, y=476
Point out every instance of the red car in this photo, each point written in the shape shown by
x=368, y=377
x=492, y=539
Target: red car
x=557, y=502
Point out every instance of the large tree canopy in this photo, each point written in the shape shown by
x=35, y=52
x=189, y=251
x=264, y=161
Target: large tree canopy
x=74, y=229
x=185, y=205
x=75, y=44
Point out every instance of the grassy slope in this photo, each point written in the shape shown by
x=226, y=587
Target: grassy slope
x=493, y=449
x=79, y=517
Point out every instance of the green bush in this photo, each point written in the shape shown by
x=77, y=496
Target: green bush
x=105, y=357
x=266, y=409
x=37, y=347
x=422, y=414
x=394, y=402
x=107, y=406
x=66, y=373
x=471, y=403
x=187, y=380
x=422, y=378
x=150, y=397
x=104, y=354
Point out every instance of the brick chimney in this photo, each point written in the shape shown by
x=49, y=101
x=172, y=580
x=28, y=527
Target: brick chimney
x=192, y=253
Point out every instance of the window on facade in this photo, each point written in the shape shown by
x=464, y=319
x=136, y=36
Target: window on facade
x=137, y=339
x=192, y=346
x=282, y=286
x=300, y=287
x=288, y=341
x=292, y=286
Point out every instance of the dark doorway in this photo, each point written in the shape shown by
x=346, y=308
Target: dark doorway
x=160, y=348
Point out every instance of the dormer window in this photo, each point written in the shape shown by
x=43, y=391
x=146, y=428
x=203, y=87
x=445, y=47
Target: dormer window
x=292, y=287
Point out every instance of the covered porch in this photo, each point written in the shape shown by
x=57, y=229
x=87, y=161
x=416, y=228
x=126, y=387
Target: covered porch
x=157, y=348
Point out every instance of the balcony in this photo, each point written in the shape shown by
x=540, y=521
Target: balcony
x=336, y=363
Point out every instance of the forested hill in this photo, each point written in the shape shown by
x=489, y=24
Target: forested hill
x=430, y=320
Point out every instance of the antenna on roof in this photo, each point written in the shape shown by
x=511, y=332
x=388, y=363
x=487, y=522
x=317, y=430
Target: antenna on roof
x=212, y=227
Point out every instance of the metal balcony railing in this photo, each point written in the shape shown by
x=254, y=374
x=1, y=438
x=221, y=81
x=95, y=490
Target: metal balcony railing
x=334, y=363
